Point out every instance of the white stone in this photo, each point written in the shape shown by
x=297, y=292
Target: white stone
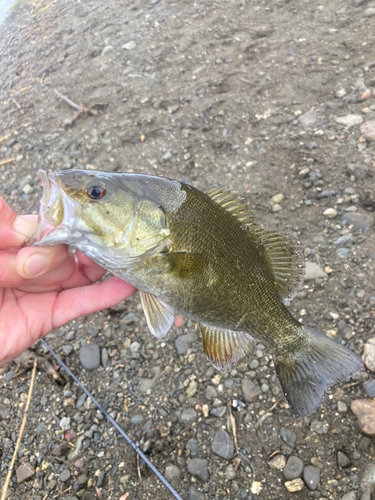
x=330, y=213
x=278, y=198
x=349, y=120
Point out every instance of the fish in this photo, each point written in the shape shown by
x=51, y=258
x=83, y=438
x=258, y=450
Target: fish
x=201, y=255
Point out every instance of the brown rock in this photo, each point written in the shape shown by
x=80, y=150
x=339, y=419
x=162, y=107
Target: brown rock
x=368, y=130
x=364, y=410
x=295, y=485
x=25, y=472
x=251, y=392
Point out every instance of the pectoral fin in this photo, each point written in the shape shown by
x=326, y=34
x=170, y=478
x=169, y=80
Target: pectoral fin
x=225, y=348
x=158, y=314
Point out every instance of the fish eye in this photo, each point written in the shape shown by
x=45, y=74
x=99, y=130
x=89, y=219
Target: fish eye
x=96, y=192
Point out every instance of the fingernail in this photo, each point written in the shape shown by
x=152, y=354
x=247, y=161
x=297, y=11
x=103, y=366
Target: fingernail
x=35, y=264
x=25, y=226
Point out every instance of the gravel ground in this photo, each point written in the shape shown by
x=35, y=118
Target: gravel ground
x=275, y=100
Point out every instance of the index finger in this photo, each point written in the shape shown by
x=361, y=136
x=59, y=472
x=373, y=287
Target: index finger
x=14, y=229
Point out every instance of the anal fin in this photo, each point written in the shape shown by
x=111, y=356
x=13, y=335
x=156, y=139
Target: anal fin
x=159, y=315
x=225, y=348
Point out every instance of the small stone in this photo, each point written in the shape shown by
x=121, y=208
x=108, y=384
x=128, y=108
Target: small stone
x=210, y=392
x=368, y=356
x=349, y=120
x=368, y=130
x=251, y=392
x=278, y=198
x=369, y=387
x=326, y=194
x=330, y=213
x=222, y=445
x=364, y=410
x=316, y=462
x=359, y=171
x=106, y=49
x=136, y=419
x=349, y=496
x=366, y=94
x=276, y=208
x=370, y=12
x=189, y=415
x=358, y=221
x=308, y=119
x=288, y=437
x=129, y=45
x=193, y=446
x=183, y=342
x=293, y=468
x=342, y=407
x=25, y=472
x=173, y=474
x=313, y=271
x=218, y=412
x=295, y=485
x=311, y=476
x=343, y=460
x=134, y=347
x=65, y=475
x=194, y=494
x=191, y=389
x=340, y=93
x=346, y=239
x=344, y=329
x=320, y=426
x=61, y=450
x=277, y=462
x=89, y=356
x=198, y=467
x=368, y=482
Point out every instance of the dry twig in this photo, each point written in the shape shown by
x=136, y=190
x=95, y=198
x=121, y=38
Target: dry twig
x=98, y=493
x=233, y=424
x=81, y=110
x=9, y=475
x=5, y=137
x=8, y=160
x=139, y=470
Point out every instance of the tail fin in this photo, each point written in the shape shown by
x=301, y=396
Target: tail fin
x=306, y=375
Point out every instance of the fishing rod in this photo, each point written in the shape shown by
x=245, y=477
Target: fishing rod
x=115, y=424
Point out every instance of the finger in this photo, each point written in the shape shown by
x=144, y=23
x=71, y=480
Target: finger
x=179, y=321
x=86, y=272
x=34, y=262
x=14, y=229
x=77, y=302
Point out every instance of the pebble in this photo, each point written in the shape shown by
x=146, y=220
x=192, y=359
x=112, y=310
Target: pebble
x=148, y=383
x=313, y=271
x=343, y=240
x=358, y=221
x=276, y=208
x=278, y=462
x=25, y=472
x=183, y=342
x=65, y=475
x=368, y=130
x=343, y=460
x=222, y=445
x=368, y=356
x=278, y=198
x=369, y=387
x=359, y=171
x=370, y=12
x=288, y=437
x=198, y=467
x=192, y=445
x=293, y=468
x=342, y=407
x=295, y=485
x=368, y=482
x=194, y=494
x=210, y=392
x=330, y=213
x=218, y=412
x=364, y=410
x=308, y=119
x=89, y=356
x=129, y=45
x=349, y=120
x=173, y=474
x=344, y=329
x=191, y=389
x=188, y=415
x=136, y=419
x=320, y=426
x=349, y=496
x=311, y=476
x=326, y=194
x=250, y=391
x=342, y=252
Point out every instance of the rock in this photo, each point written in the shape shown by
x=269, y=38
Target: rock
x=192, y=445
x=148, y=383
x=210, y=392
x=61, y=450
x=369, y=387
x=370, y=12
x=222, y=445
x=219, y=411
x=189, y=415
x=65, y=475
x=230, y=473
x=320, y=426
x=191, y=389
x=107, y=48
x=198, y=467
x=278, y=198
x=129, y=45
x=368, y=130
x=368, y=482
x=342, y=459
x=330, y=213
x=288, y=437
x=25, y=472
x=89, y=356
x=344, y=329
x=364, y=410
x=342, y=252
x=358, y=221
x=276, y=208
x=250, y=391
x=277, y=462
x=349, y=120
x=326, y=194
x=194, y=494
x=349, y=496
x=311, y=476
x=368, y=356
x=342, y=407
x=359, y=171
x=183, y=342
x=293, y=468
x=308, y=119
x=346, y=239
x=173, y=474
x=313, y=271
x=295, y=485
x=136, y=419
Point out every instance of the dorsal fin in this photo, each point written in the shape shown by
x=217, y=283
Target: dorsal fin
x=232, y=204
x=285, y=262
x=280, y=252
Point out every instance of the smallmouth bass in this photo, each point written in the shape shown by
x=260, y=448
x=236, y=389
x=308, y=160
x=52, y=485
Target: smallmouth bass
x=200, y=255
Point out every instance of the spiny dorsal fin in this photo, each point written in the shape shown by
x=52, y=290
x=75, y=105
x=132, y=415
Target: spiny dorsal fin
x=285, y=262
x=232, y=204
x=225, y=348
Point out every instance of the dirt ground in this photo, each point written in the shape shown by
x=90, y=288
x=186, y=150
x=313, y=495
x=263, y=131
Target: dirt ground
x=214, y=93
